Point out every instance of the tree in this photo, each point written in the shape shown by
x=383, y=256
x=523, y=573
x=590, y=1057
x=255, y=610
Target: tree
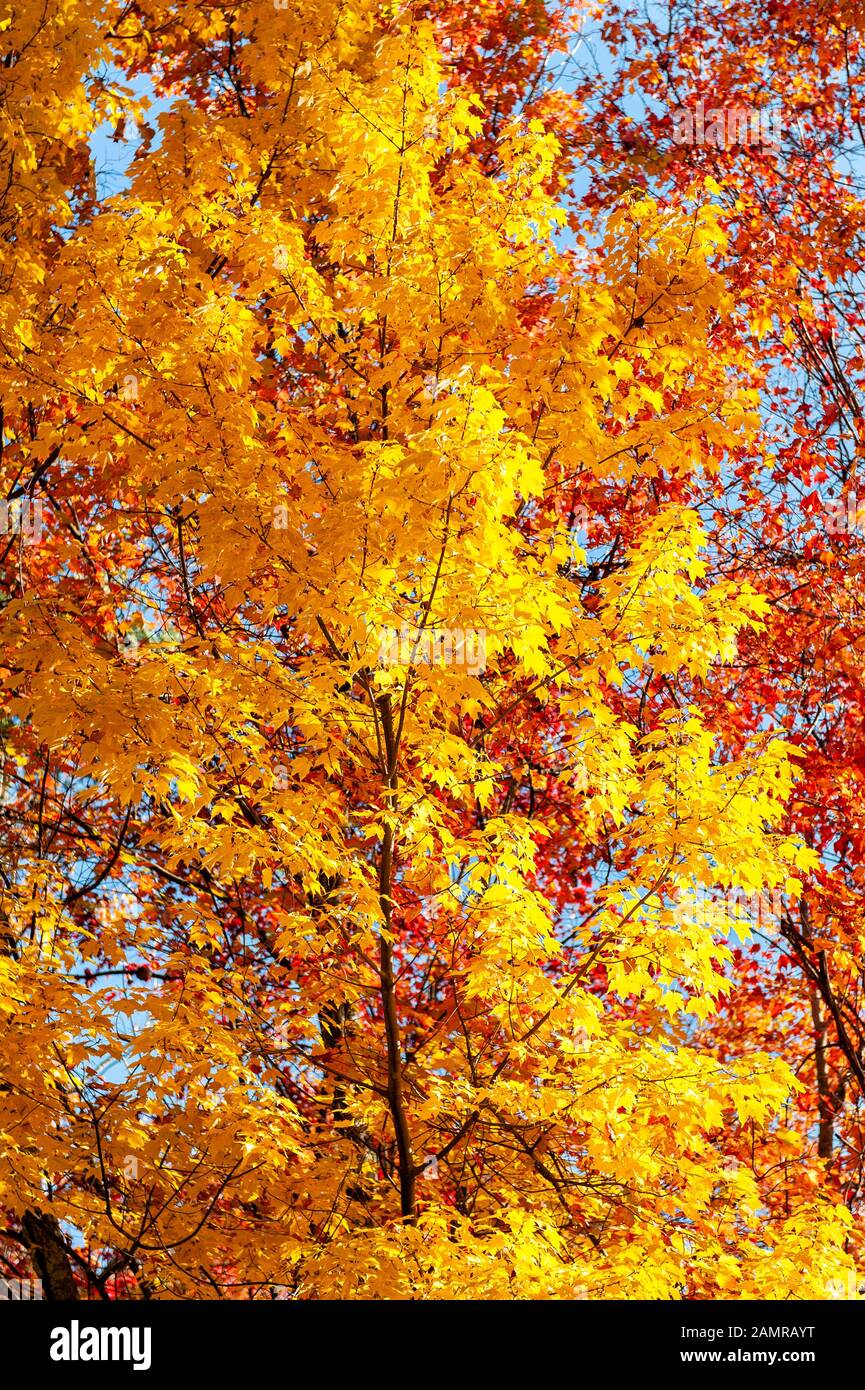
x=359, y=810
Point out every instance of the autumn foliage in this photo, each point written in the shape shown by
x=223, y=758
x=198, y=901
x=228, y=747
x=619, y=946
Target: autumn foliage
x=433, y=723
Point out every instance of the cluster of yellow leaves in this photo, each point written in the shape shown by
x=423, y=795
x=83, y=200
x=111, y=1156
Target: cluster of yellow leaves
x=348, y=415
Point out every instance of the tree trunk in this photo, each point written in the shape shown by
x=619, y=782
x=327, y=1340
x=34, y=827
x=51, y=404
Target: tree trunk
x=826, y=1132
x=49, y=1256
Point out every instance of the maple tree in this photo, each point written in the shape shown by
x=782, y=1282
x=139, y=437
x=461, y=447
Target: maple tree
x=382, y=699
